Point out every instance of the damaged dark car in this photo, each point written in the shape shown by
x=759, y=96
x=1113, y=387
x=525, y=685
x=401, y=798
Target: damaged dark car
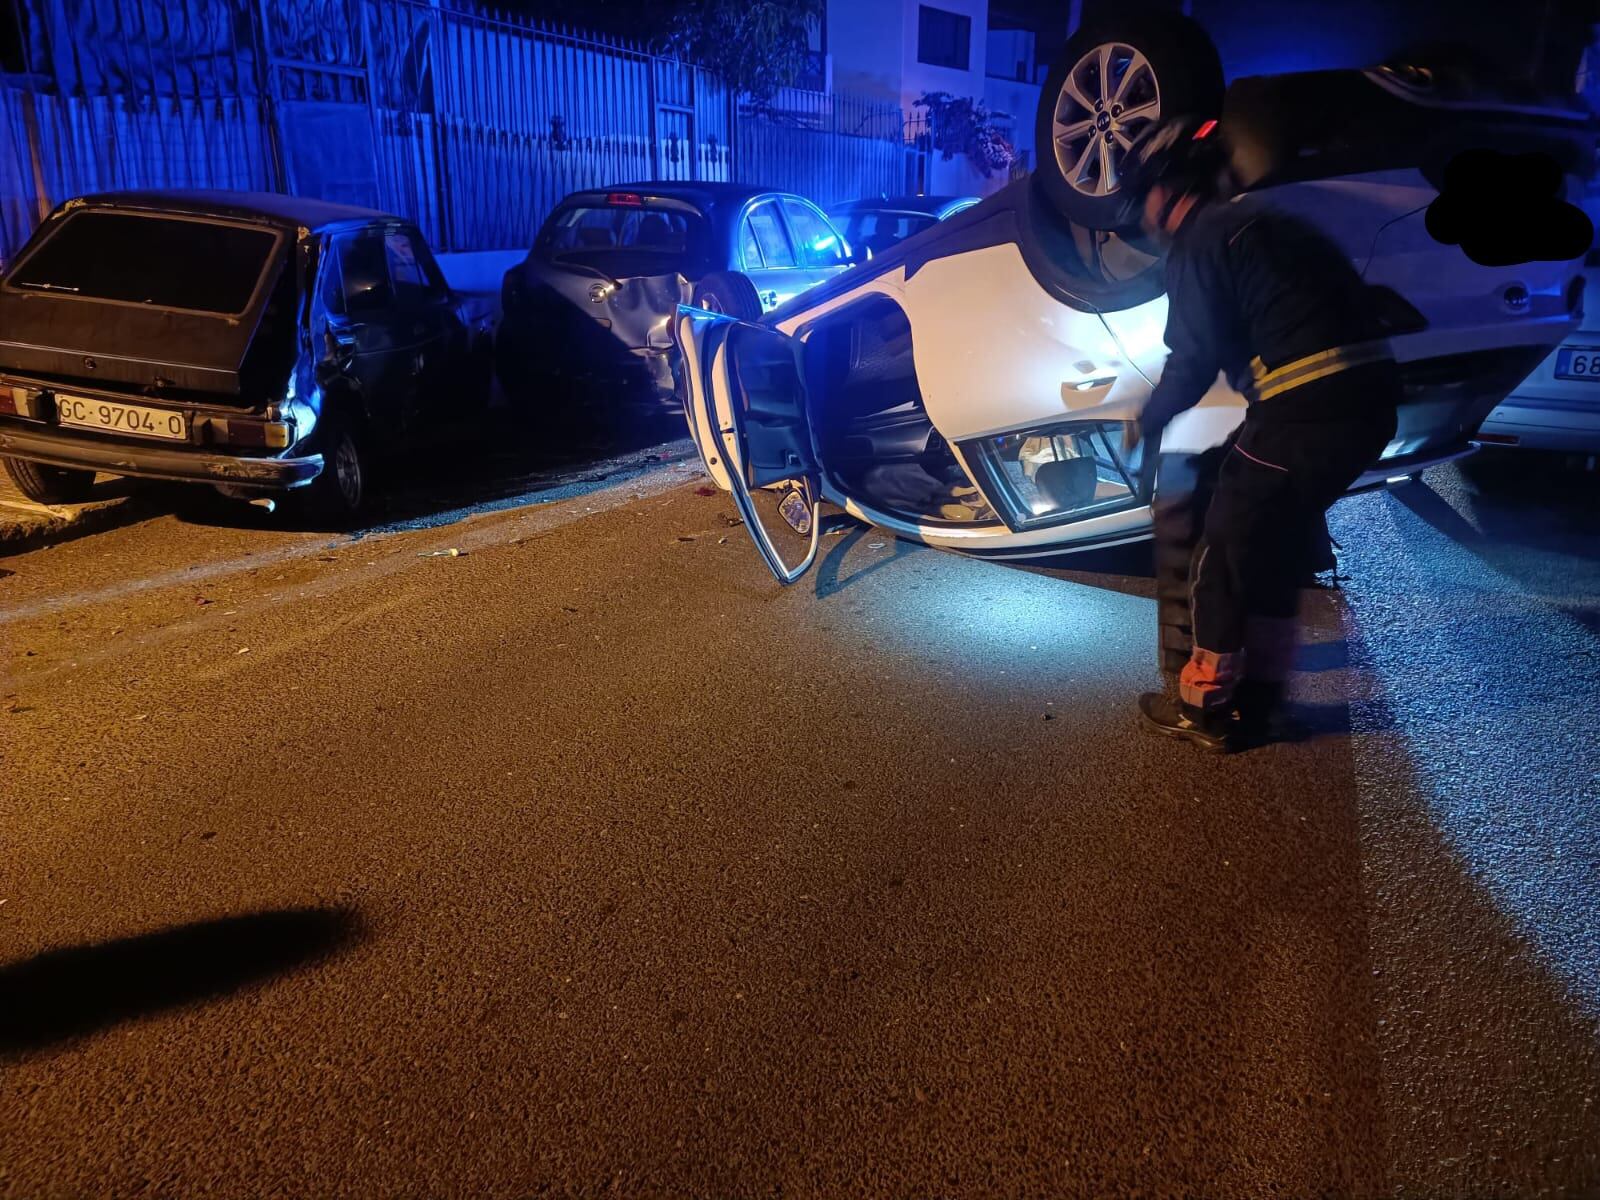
x=259, y=343
x=590, y=309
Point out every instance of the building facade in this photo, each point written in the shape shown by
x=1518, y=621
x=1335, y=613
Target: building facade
x=901, y=50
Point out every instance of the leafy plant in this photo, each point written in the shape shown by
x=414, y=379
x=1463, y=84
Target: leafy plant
x=963, y=125
x=755, y=46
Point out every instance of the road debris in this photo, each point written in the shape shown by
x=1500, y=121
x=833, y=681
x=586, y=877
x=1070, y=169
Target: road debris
x=706, y=490
x=450, y=553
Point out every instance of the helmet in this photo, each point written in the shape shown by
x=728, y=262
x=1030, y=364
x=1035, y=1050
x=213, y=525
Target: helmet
x=1181, y=153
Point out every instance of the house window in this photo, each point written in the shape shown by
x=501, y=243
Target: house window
x=944, y=39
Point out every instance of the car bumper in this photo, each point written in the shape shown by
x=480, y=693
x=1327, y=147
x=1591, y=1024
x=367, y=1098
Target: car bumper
x=1529, y=424
x=156, y=461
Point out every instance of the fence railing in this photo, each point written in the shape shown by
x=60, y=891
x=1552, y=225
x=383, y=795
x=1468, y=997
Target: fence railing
x=474, y=124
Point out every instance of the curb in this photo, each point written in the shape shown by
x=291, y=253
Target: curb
x=25, y=525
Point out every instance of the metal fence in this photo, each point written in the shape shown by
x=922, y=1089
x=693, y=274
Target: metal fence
x=473, y=123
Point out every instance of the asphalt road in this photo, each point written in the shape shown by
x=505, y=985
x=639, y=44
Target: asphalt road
x=591, y=862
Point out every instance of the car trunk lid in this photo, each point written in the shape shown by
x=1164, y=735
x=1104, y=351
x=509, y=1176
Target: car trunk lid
x=146, y=302
x=637, y=309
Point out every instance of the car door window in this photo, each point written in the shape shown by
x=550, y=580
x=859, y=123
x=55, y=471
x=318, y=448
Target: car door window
x=749, y=248
x=819, y=244
x=415, y=285
x=364, y=274
x=770, y=235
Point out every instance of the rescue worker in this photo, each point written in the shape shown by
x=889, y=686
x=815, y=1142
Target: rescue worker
x=1276, y=305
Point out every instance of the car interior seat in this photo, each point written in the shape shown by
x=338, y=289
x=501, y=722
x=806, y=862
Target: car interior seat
x=882, y=235
x=1068, y=484
x=655, y=231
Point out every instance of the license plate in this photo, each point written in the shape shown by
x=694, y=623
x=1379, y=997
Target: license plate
x=112, y=417
x=1580, y=362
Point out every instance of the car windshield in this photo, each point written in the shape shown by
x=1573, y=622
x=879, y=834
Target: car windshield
x=165, y=262
x=604, y=229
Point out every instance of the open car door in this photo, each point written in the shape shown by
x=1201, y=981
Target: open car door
x=745, y=402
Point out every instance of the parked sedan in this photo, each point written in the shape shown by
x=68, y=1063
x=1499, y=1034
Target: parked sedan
x=258, y=343
x=1001, y=355
x=1558, y=406
x=596, y=295
x=875, y=225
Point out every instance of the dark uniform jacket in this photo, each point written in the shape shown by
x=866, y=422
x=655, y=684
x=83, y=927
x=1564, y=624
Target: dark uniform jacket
x=1245, y=284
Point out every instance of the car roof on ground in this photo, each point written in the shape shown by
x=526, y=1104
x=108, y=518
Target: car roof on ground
x=269, y=206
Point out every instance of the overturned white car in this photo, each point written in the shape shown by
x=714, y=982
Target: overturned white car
x=1008, y=348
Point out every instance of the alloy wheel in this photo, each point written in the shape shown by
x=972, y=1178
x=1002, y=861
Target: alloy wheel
x=1109, y=97
x=347, y=472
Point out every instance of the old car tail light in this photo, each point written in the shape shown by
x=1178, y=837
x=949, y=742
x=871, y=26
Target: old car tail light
x=274, y=435
x=21, y=400
x=627, y=199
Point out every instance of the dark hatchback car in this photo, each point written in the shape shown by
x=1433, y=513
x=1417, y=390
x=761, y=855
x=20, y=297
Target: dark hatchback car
x=258, y=343
x=598, y=291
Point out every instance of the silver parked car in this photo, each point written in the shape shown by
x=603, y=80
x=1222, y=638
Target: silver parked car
x=1558, y=406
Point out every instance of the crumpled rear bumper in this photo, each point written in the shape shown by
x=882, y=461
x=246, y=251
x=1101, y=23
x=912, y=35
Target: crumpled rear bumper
x=155, y=461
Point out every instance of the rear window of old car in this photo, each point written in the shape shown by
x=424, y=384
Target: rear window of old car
x=165, y=262
x=636, y=229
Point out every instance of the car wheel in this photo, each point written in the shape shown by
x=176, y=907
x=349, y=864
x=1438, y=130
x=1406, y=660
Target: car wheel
x=1111, y=80
x=49, y=485
x=342, y=493
x=729, y=292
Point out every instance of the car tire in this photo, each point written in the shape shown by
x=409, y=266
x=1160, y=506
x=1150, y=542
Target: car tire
x=342, y=494
x=1165, y=60
x=45, y=484
x=731, y=293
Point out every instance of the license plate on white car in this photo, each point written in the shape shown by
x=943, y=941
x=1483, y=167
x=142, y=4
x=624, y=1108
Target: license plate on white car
x=1578, y=362
x=112, y=417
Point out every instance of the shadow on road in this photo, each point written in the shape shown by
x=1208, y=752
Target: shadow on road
x=64, y=994
x=829, y=581
x=451, y=477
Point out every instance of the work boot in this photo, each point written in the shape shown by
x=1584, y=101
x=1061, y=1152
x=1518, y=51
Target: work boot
x=1161, y=713
x=1264, y=713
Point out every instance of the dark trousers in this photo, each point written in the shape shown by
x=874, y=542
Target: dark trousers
x=1273, y=490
